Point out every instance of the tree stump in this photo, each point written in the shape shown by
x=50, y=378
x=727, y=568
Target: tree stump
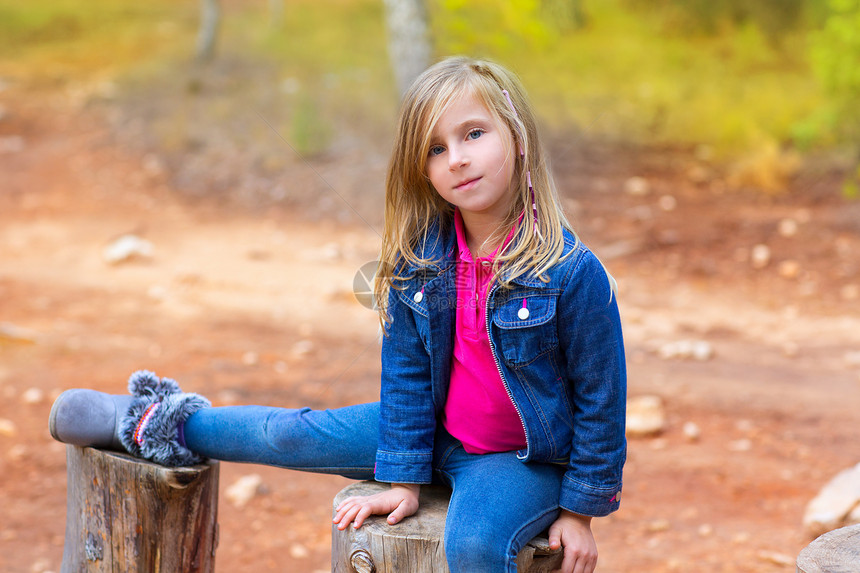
x=837, y=551
x=124, y=514
x=414, y=544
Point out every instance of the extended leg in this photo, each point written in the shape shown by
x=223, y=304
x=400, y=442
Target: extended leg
x=338, y=441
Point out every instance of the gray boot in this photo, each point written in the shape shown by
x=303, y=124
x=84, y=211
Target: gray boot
x=144, y=424
x=88, y=418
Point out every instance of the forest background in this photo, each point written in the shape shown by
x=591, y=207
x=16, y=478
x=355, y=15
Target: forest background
x=759, y=86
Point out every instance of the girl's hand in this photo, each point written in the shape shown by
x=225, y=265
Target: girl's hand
x=400, y=501
x=573, y=532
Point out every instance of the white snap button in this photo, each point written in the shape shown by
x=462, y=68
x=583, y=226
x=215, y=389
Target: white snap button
x=485, y=263
x=523, y=313
x=419, y=296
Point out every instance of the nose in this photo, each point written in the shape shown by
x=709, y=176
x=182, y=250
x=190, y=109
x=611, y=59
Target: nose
x=457, y=158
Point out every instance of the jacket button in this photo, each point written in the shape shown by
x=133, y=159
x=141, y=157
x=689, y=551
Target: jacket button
x=523, y=313
x=419, y=296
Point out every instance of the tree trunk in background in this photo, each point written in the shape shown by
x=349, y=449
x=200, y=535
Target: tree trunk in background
x=210, y=18
x=408, y=40
x=276, y=13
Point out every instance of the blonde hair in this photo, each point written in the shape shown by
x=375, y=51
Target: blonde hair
x=412, y=205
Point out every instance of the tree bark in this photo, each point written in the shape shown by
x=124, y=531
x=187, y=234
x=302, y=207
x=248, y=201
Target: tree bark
x=132, y=516
x=408, y=40
x=210, y=20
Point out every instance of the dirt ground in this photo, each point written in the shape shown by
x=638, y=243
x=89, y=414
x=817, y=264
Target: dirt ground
x=230, y=304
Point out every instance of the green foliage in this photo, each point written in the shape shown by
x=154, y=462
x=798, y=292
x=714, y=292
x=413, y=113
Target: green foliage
x=483, y=27
x=836, y=60
x=774, y=18
x=620, y=76
x=71, y=35
x=734, y=74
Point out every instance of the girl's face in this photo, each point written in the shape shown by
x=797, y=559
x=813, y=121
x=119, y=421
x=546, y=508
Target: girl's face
x=471, y=160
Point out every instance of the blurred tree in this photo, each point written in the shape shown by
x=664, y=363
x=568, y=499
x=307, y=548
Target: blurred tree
x=210, y=18
x=836, y=61
x=276, y=12
x=408, y=40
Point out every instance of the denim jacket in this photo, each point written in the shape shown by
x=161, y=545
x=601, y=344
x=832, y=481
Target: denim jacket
x=562, y=364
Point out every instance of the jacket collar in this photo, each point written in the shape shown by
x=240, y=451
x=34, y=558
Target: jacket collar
x=441, y=247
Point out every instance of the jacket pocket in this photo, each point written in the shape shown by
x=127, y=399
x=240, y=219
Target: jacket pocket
x=526, y=328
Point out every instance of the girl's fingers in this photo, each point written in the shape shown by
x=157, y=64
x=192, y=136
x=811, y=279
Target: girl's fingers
x=362, y=515
x=403, y=509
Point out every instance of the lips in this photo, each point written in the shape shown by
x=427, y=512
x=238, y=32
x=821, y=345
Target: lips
x=467, y=184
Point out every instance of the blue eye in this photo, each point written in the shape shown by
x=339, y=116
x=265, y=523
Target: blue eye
x=475, y=133
x=436, y=150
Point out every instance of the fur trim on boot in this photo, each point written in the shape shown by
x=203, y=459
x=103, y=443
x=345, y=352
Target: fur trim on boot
x=149, y=428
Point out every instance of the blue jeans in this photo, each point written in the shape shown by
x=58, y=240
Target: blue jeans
x=498, y=503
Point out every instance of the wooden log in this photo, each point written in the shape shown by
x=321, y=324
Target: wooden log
x=837, y=551
x=129, y=515
x=416, y=543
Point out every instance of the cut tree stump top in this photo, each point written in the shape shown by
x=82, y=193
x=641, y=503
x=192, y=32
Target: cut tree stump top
x=837, y=551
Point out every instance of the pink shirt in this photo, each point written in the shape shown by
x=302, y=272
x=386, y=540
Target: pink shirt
x=479, y=412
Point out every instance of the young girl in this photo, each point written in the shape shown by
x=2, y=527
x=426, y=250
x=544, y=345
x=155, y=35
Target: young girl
x=503, y=372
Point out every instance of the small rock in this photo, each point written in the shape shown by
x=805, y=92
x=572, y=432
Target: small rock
x=834, y=505
x=32, y=396
x=331, y=252
x=244, y=489
x=705, y=530
x=157, y=292
x=776, y=558
x=788, y=228
x=658, y=525
x=152, y=165
x=667, y=203
x=691, y=432
x=658, y=444
x=229, y=397
x=17, y=452
x=760, y=256
x=41, y=566
x=127, y=247
x=250, y=358
x=849, y=292
x=699, y=174
x=790, y=349
x=299, y=551
x=12, y=333
x=637, y=186
x=645, y=416
x=700, y=350
x=740, y=538
x=852, y=359
x=11, y=144
x=302, y=348
x=7, y=428
x=789, y=269
x=743, y=445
